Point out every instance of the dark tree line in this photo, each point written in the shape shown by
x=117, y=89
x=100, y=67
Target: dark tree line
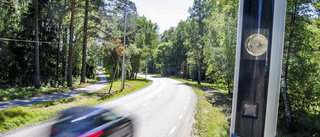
x=61, y=42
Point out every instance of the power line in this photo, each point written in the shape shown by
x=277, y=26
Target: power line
x=28, y=41
x=31, y=41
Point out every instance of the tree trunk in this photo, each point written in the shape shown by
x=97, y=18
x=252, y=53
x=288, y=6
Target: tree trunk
x=228, y=80
x=286, y=102
x=84, y=53
x=150, y=70
x=36, y=48
x=284, y=75
x=119, y=72
x=69, y=78
x=188, y=69
x=64, y=48
x=114, y=75
x=64, y=51
x=58, y=51
x=135, y=77
x=199, y=74
x=132, y=73
x=289, y=46
x=201, y=26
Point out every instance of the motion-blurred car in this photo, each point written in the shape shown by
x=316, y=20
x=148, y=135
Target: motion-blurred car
x=91, y=122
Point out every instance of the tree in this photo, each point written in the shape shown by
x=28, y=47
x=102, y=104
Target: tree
x=69, y=78
x=84, y=52
x=163, y=55
x=299, y=72
x=36, y=47
x=18, y=57
x=198, y=12
x=221, y=43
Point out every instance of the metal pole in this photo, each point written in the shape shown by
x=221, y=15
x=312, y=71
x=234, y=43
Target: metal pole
x=146, y=67
x=124, y=45
x=146, y=64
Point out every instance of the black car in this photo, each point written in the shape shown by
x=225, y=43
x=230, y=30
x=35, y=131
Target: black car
x=91, y=122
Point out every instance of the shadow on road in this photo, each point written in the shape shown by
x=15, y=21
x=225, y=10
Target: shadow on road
x=155, y=77
x=184, y=84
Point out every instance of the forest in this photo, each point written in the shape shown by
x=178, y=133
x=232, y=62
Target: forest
x=59, y=43
x=206, y=44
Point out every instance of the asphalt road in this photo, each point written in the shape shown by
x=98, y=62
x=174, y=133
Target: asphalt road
x=165, y=108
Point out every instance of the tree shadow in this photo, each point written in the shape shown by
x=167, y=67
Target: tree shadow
x=221, y=100
x=155, y=76
x=204, y=87
x=138, y=80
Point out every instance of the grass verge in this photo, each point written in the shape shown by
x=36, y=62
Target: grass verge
x=21, y=116
x=213, y=109
x=31, y=91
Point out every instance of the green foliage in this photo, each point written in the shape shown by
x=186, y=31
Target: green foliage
x=221, y=44
x=206, y=42
x=301, y=61
x=163, y=58
x=17, y=56
x=16, y=117
x=141, y=39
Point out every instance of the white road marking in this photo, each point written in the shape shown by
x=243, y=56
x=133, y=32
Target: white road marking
x=159, y=95
x=180, y=116
x=146, y=103
x=172, y=130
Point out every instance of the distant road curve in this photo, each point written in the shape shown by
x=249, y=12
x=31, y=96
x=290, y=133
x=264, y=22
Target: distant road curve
x=165, y=108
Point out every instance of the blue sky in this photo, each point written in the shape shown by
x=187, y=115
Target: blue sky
x=166, y=13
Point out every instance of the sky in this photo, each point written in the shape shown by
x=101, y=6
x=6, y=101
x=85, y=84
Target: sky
x=166, y=13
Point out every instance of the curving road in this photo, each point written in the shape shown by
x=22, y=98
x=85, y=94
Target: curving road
x=164, y=108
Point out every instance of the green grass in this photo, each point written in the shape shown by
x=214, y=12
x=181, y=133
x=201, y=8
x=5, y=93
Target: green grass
x=213, y=109
x=306, y=122
x=31, y=91
x=128, y=83
x=21, y=116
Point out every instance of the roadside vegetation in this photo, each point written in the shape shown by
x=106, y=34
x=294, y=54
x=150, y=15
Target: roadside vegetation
x=18, y=92
x=213, y=109
x=21, y=116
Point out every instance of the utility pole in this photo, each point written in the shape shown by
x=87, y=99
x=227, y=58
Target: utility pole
x=146, y=67
x=146, y=64
x=36, y=47
x=124, y=45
